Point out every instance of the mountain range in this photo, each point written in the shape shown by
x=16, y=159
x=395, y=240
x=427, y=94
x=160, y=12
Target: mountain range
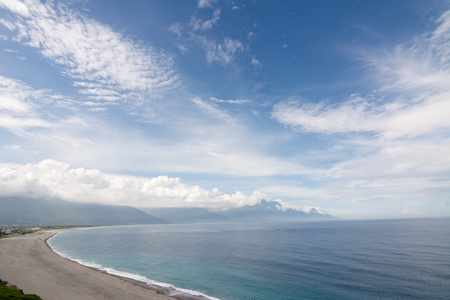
x=31, y=212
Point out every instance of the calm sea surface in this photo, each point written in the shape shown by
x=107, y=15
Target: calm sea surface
x=381, y=259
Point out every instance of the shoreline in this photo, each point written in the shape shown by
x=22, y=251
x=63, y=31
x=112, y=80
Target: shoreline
x=160, y=287
x=31, y=264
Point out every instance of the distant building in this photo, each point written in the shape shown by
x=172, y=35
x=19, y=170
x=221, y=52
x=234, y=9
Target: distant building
x=9, y=230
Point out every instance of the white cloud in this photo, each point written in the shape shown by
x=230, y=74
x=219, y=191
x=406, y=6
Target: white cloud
x=220, y=49
x=440, y=39
x=223, y=53
x=205, y=3
x=408, y=211
x=428, y=193
x=394, y=119
x=88, y=51
x=413, y=99
x=212, y=111
x=237, y=101
x=182, y=48
x=13, y=148
x=52, y=179
x=14, y=123
x=201, y=25
x=17, y=7
x=18, y=110
x=422, y=158
x=43, y=117
x=176, y=28
x=255, y=62
x=12, y=104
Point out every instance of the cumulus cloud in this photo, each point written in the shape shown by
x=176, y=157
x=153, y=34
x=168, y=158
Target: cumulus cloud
x=88, y=51
x=53, y=179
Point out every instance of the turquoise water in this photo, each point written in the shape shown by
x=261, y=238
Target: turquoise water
x=381, y=259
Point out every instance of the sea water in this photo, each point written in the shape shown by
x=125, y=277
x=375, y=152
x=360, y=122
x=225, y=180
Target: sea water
x=372, y=259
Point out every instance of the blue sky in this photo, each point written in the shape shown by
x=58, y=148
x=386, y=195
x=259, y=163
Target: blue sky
x=342, y=105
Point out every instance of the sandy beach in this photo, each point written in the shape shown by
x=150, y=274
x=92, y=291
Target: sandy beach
x=27, y=262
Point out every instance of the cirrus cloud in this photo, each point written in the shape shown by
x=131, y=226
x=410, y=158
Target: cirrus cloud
x=90, y=52
x=413, y=98
x=388, y=120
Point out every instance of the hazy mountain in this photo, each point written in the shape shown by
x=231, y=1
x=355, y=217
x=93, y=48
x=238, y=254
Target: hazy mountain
x=270, y=211
x=24, y=211
x=185, y=215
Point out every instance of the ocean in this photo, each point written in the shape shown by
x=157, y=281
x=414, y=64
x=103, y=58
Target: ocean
x=370, y=259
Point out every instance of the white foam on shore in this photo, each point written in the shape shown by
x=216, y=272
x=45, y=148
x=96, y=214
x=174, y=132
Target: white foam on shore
x=168, y=289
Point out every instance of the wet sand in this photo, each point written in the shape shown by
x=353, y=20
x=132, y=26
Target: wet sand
x=28, y=262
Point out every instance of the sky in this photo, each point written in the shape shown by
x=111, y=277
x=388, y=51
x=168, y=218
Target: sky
x=342, y=106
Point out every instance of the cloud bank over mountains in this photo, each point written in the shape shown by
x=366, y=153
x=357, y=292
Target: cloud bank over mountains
x=50, y=179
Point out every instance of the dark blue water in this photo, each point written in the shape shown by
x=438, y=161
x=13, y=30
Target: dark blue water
x=381, y=259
